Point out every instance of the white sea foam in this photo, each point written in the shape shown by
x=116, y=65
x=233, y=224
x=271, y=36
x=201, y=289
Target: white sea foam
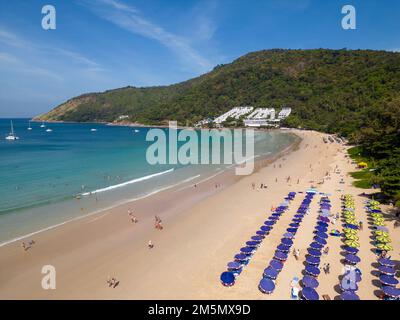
x=128, y=182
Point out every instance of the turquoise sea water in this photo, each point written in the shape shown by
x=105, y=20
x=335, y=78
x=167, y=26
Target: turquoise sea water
x=42, y=173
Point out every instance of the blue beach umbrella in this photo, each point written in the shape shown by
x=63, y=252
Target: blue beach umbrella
x=241, y=257
x=257, y=238
x=296, y=220
x=351, y=226
x=299, y=216
x=316, y=245
x=287, y=242
x=321, y=229
x=353, y=259
x=388, y=280
x=227, y=278
x=310, y=282
x=234, y=265
x=348, y=284
x=288, y=235
x=349, y=295
x=391, y=292
x=283, y=248
x=314, y=252
x=279, y=255
x=386, y=262
x=276, y=214
x=291, y=230
x=266, y=286
x=247, y=250
x=322, y=235
x=312, y=270
x=320, y=240
x=277, y=265
x=269, y=223
x=265, y=228
x=252, y=243
x=261, y=233
x=294, y=225
x=270, y=273
x=350, y=249
x=313, y=260
x=387, y=270
x=322, y=224
x=309, y=294
x=274, y=218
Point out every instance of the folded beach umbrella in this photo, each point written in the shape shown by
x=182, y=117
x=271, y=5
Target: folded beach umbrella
x=270, y=273
x=387, y=270
x=322, y=235
x=320, y=240
x=386, y=262
x=310, y=282
x=349, y=295
x=312, y=270
x=309, y=294
x=316, y=245
x=266, y=286
x=391, y=291
x=314, y=261
x=277, y=265
x=287, y=242
x=314, y=252
x=227, y=279
x=257, y=238
x=388, y=280
x=281, y=256
x=234, y=265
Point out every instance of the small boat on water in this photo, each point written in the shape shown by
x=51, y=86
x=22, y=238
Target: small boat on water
x=93, y=130
x=136, y=130
x=49, y=130
x=12, y=135
x=29, y=128
x=43, y=125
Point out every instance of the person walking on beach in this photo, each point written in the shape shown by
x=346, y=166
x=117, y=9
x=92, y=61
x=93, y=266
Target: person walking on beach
x=296, y=253
x=361, y=225
x=253, y=185
x=150, y=245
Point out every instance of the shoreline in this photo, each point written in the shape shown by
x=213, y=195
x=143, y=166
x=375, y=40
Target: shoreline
x=204, y=228
x=258, y=163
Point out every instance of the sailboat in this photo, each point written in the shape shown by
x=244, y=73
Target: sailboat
x=29, y=128
x=12, y=135
x=43, y=125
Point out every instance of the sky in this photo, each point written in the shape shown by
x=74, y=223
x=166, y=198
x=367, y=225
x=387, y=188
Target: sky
x=104, y=44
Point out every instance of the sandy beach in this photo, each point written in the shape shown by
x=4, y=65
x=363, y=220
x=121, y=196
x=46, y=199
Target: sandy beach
x=204, y=227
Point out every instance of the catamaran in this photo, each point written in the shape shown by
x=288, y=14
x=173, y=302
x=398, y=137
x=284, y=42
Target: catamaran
x=29, y=128
x=12, y=135
x=43, y=125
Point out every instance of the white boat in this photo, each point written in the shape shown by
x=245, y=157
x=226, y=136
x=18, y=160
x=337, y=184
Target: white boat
x=93, y=130
x=49, y=130
x=12, y=135
x=29, y=128
x=136, y=130
x=43, y=125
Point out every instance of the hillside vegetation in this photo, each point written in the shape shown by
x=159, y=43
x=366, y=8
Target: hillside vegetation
x=353, y=93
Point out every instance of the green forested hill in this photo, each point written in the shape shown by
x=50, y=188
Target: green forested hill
x=354, y=93
x=328, y=90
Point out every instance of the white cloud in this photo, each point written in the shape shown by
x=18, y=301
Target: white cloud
x=130, y=19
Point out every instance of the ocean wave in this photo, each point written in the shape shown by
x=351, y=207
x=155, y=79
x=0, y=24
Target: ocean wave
x=128, y=182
